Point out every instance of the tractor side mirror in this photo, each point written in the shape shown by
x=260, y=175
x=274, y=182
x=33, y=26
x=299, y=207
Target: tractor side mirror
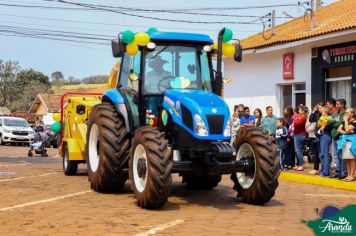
x=118, y=47
x=238, y=53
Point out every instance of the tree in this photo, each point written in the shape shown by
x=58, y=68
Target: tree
x=9, y=88
x=57, y=75
x=25, y=77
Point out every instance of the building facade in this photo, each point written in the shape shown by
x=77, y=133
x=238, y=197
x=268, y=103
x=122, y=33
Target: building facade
x=299, y=65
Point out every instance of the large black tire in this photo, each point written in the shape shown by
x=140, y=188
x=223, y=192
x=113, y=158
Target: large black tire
x=108, y=173
x=69, y=167
x=196, y=182
x=153, y=185
x=264, y=179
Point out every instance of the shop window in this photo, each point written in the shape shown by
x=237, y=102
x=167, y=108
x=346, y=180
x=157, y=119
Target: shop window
x=292, y=95
x=338, y=83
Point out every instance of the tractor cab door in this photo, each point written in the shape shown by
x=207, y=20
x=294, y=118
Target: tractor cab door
x=129, y=87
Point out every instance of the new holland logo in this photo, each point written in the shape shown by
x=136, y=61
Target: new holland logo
x=335, y=221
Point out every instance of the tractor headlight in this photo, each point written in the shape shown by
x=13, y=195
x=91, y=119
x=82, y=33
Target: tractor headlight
x=200, y=127
x=227, y=131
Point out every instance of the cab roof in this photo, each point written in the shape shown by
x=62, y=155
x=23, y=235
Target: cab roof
x=184, y=37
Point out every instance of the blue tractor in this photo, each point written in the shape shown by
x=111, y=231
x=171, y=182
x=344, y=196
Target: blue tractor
x=166, y=116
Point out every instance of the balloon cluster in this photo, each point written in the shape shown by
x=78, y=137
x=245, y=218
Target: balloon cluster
x=133, y=40
x=228, y=49
x=56, y=126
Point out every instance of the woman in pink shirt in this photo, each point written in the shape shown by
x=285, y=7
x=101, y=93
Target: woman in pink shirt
x=299, y=121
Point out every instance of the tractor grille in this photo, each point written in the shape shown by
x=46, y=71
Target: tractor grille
x=216, y=123
x=187, y=117
x=20, y=133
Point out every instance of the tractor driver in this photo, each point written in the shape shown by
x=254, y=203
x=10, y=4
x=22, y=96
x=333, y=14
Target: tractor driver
x=154, y=78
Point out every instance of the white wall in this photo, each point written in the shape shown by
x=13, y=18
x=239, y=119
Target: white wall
x=255, y=79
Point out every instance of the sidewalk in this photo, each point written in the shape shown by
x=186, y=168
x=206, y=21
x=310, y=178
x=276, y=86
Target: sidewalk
x=305, y=178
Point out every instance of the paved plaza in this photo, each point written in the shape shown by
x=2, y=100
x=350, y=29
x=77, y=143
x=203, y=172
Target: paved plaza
x=37, y=199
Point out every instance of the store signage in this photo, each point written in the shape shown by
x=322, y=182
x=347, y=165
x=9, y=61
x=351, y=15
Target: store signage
x=341, y=54
x=288, y=66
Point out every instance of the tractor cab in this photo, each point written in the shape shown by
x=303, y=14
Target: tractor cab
x=171, y=61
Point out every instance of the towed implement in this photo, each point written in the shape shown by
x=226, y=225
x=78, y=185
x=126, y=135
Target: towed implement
x=164, y=114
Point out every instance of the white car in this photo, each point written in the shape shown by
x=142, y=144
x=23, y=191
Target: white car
x=15, y=130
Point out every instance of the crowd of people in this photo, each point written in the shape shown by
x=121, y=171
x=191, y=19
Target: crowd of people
x=326, y=134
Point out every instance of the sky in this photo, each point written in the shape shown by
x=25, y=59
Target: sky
x=86, y=57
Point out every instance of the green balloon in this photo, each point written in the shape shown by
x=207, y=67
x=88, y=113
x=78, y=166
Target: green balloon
x=127, y=36
x=227, y=36
x=56, y=127
x=152, y=30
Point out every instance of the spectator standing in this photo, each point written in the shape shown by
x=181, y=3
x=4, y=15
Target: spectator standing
x=258, y=117
x=299, y=121
x=281, y=141
x=325, y=140
x=240, y=109
x=347, y=142
x=331, y=104
x=288, y=121
x=338, y=117
x=234, y=123
x=269, y=122
x=311, y=129
x=247, y=119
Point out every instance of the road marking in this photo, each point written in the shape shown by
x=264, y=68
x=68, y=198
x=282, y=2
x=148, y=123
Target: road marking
x=22, y=163
x=160, y=228
x=329, y=195
x=45, y=200
x=26, y=177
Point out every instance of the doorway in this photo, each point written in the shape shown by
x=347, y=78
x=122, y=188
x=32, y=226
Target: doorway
x=339, y=84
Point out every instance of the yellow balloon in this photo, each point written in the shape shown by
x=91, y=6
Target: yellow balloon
x=132, y=48
x=215, y=46
x=57, y=117
x=142, y=39
x=228, y=50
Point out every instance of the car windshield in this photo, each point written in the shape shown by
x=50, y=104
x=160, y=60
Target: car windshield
x=16, y=122
x=176, y=67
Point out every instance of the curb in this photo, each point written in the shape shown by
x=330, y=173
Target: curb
x=316, y=180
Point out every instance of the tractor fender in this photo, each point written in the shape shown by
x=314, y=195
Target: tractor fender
x=114, y=97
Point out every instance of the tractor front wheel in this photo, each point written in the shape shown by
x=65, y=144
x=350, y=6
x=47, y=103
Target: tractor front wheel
x=150, y=168
x=257, y=186
x=107, y=149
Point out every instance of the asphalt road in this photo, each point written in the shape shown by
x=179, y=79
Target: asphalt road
x=37, y=199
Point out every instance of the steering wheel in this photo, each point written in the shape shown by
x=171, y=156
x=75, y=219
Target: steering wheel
x=163, y=84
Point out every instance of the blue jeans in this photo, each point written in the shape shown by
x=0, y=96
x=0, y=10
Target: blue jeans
x=341, y=169
x=325, y=140
x=298, y=146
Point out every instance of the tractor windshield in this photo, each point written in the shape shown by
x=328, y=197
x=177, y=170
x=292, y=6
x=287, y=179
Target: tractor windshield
x=176, y=67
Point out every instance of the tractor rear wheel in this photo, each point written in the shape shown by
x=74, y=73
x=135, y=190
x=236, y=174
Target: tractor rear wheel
x=196, y=182
x=150, y=167
x=69, y=167
x=258, y=186
x=107, y=148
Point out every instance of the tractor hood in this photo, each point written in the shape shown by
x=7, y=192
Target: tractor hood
x=183, y=105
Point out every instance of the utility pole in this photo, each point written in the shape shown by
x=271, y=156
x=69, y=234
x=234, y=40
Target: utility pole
x=273, y=23
x=312, y=14
x=318, y=4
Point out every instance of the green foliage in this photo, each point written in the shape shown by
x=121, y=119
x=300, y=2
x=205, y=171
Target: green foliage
x=19, y=88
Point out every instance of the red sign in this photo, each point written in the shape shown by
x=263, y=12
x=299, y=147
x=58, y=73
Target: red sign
x=288, y=66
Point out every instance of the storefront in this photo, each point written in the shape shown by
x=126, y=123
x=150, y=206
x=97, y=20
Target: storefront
x=334, y=73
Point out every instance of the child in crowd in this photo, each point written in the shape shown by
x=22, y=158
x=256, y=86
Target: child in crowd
x=325, y=140
x=323, y=120
x=281, y=141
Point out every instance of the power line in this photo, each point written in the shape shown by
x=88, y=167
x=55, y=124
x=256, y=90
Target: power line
x=41, y=7
x=110, y=24
x=150, y=17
